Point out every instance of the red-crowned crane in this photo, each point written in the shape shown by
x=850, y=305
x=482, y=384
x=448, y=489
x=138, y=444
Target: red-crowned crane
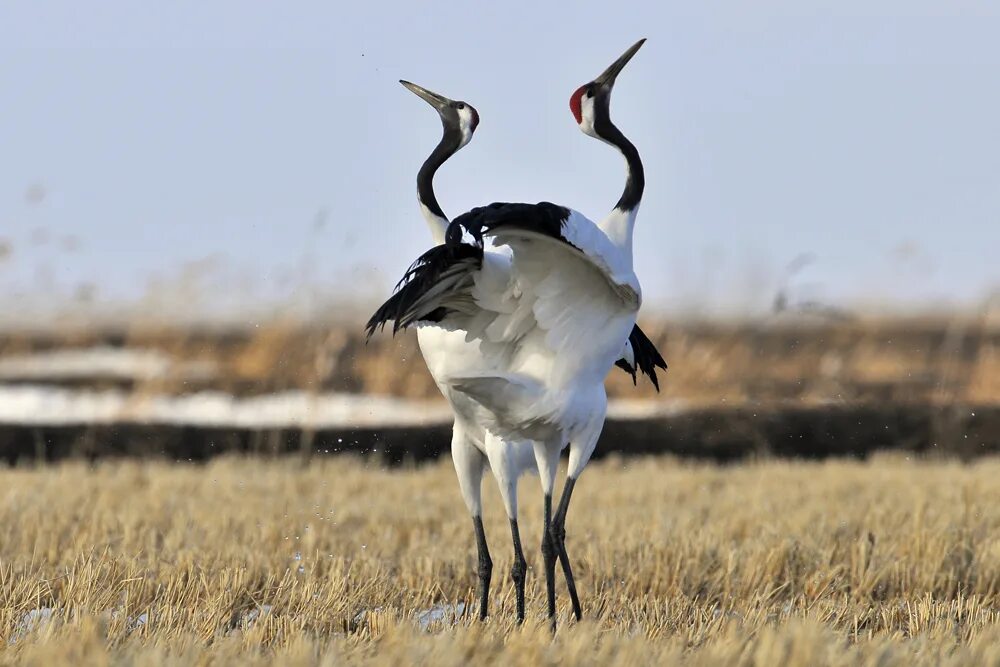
x=491, y=354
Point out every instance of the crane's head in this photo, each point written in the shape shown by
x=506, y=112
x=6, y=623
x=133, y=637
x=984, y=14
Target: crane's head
x=458, y=118
x=590, y=102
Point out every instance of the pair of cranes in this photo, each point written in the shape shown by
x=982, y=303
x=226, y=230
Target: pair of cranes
x=519, y=342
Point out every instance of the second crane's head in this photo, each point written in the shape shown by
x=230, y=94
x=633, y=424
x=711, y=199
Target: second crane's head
x=590, y=103
x=459, y=119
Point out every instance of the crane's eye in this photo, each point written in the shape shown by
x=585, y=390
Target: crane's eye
x=460, y=106
x=590, y=91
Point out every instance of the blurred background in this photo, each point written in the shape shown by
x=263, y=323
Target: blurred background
x=201, y=203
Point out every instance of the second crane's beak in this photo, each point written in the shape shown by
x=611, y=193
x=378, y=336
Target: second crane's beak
x=439, y=102
x=608, y=76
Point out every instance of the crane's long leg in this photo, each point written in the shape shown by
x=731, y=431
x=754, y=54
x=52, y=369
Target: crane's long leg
x=547, y=459
x=559, y=537
x=469, y=466
x=549, y=561
x=506, y=462
x=485, y=567
x=519, y=570
x=579, y=454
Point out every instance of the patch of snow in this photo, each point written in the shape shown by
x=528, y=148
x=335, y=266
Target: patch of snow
x=251, y=616
x=45, y=405
x=98, y=362
x=626, y=409
x=441, y=613
x=35, y=619
x=33, y=404
x=131, y=622
x=138, y=621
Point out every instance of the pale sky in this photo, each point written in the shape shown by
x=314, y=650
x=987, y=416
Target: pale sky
x=198, y=143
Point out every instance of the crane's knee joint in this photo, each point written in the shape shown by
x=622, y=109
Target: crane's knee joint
x=559, y=533
x=548, y=546
x=518, y=570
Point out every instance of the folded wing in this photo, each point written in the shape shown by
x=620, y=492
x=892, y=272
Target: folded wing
x=564, y=284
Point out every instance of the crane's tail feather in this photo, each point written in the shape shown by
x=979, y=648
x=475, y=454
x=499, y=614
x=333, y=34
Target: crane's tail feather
x=647, y=357
x=436, y=285
x=624, y=364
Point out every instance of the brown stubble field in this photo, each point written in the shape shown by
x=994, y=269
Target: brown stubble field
x=891, y=562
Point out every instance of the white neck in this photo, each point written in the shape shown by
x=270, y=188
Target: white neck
x=435, y=223
x=618, y=226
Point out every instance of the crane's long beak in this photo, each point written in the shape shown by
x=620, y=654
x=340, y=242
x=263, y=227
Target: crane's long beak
x=437, y=101
x=607, y=77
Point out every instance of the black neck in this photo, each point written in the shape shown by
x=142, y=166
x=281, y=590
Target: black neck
x=635, y=180
x=450, y=141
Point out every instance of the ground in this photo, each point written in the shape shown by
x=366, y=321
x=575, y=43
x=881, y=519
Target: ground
x=891, y=562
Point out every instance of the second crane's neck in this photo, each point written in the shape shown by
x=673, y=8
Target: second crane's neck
x=618, y=225
x=433, y=215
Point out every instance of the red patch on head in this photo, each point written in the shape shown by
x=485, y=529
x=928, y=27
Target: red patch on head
x=575, y=102
x=475, y=117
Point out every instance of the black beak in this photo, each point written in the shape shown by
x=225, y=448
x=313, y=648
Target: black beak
x=608, y=76
x=439, y=102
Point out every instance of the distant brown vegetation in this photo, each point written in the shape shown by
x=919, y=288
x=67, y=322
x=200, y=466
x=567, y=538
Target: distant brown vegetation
x=934, y=360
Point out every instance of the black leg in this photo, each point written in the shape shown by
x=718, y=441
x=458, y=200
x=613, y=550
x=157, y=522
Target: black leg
x=549, y=559
x=485, y=567
x=559, y=538
x=518, y=570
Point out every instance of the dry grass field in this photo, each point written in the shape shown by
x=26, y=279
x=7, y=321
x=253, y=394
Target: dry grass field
x=887, y=562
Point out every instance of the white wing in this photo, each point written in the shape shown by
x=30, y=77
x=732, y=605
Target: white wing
x=568, y=230
x=563, y=306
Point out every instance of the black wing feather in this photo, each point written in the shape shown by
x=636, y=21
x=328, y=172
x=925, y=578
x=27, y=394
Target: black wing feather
x=542, y=218
x=422, y=275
